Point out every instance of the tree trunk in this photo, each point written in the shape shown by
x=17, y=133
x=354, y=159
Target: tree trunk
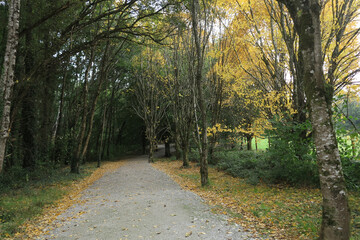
x=101, y=138
x=108, y=133
x=57, y=132
x=177, y=146
x=150, y=134
x=211, y=151
x=8, y=73
x=185, y=155
x=248, y=142
x=143, y=140
x=47, y=105
x=336, y=213
x=91, y=120
x=85, y=108
x=27, y=128
x=151, y=151
x=109, y=126
x=28, y=119
x=101, y=79
x=119, y=135
x=167, y=149
x=74, y=166
x=195, y=9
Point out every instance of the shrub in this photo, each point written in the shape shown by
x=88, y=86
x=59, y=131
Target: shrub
x=351, y=171
x=262, y=166
x=194, y=155
x=243, y=164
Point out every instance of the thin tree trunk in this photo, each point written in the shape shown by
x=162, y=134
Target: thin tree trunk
x=256, y=144
x=177, y=145
x=143, y=141
x=83, y=150
x=167, y=149
x=110, y=125
x=92, y=114
x=8, y=74
x=195, y=9
x=58, y=123
x=101, y=138
x=28, y=114
x=85, y=108
x=119, y=135
x=108, y=136
x=248, y=141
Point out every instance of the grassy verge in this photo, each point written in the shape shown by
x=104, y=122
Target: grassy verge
x=25, y=211
x=279, y=212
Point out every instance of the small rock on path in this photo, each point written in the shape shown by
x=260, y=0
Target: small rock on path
x=139, y=202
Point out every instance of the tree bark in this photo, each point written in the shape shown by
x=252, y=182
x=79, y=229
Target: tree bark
x=167, y=149
x=85, y=107
x=28, y=114
x=59, y=123
x=336, y=212
x=27, y=128
x=151, y=136
x=101, y=138
x=177, y=146
x=102, y=77
x=8, y=73
x=199, y=58
x=248, y=142
x=185, y=155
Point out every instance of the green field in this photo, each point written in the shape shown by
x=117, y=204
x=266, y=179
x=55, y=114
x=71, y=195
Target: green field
x=262, y=143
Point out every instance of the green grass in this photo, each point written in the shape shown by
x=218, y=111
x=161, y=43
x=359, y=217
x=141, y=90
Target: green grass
x=29, y=199
x=16, y=208
x=262, y=143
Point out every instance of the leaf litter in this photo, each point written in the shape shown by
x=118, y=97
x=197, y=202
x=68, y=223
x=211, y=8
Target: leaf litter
x=43, y=223
x=276, y=211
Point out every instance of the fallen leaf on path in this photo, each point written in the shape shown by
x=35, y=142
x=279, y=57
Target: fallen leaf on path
x=188, y=234
x=36, y=227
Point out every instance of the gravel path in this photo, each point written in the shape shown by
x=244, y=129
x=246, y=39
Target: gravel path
x=139, y=202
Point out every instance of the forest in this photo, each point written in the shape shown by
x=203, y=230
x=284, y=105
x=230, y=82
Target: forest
x=265, y=90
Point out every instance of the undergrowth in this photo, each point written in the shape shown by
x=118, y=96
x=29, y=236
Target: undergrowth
x=24, y=194
x=258, y=167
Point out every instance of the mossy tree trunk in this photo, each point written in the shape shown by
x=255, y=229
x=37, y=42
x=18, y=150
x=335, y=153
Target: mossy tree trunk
x=336, y=213
x=8, y=73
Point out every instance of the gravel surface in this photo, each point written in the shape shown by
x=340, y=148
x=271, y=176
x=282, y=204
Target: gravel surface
x=139, y=202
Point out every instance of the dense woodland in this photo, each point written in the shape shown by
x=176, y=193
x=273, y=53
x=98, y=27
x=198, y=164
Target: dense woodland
x=93, y=79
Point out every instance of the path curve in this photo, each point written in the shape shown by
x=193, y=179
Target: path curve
x=138, y=201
